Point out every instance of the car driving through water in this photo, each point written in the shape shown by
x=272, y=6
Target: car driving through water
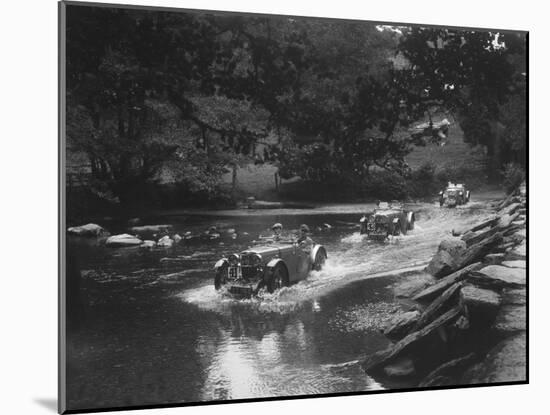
x=454, y=195
x=387, y=219
x=270, y=266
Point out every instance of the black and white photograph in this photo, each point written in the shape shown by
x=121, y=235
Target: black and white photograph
x=266, y=206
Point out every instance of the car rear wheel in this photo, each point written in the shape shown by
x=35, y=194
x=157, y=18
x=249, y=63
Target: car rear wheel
x=320, y=259
x=278, y=278
x=221, y=275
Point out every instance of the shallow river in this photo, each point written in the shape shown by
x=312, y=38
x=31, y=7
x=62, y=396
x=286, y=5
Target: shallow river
x=149, y=328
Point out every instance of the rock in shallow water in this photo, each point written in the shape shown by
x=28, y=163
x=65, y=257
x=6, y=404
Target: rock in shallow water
x=90, y=229
x=123, y=240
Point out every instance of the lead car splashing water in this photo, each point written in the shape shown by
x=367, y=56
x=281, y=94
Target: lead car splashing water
x=268, y=267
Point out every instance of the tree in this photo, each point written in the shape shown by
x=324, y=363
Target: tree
x=479, y=75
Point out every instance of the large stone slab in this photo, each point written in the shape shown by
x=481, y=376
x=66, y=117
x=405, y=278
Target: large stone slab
x=515, y=264
x=413, y=343
x=508, y=276
x=90, y=230
x=439, y=287
x=481, y=305
x=511, y=318
x=506, y=362
x=441, y=264
x=401, y=325
x=441, y=304
x=517, y=296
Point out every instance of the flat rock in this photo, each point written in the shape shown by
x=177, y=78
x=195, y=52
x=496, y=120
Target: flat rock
x=401, y=325
x=506, y=362
x=515, y=264
x=123, y=240
x=416, y=341
x=90, y=230
x=508, y=276
x=511, y=318
x=481, y=305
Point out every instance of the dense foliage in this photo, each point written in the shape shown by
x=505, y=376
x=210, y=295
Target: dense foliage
x=186, y=97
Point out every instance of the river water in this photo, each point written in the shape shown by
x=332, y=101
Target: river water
x=149, y=328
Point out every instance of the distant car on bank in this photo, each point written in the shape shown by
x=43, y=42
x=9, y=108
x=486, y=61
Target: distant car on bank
x=454, y=195
x=436, y=132
x=269, y=266
x=387, y=219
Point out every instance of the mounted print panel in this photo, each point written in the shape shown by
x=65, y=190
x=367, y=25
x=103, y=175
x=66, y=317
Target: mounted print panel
x=264, y=207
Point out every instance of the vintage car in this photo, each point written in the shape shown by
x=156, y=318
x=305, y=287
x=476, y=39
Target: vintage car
x=269, y=266
x=453, y=195
x=435, y=131
x=387, y=219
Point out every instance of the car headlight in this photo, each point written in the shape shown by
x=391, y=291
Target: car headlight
x=257, y=259
x=233, y=259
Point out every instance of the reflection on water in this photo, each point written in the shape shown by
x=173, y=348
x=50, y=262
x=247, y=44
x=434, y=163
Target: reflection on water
x=153, y=330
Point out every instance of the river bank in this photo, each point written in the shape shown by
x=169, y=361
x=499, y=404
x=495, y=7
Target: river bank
x=467, y=317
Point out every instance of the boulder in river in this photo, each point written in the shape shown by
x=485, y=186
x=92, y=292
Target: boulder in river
x=123, y=240
x=441, y=264
x=148, y=244
x=90, y=229
x=165, y=242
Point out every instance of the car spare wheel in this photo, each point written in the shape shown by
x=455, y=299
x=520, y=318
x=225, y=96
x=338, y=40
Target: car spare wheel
x=278, y=277
x=221, y=275
x=320, y=259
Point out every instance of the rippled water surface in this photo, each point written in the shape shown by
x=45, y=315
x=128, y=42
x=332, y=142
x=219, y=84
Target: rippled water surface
x=149, y=328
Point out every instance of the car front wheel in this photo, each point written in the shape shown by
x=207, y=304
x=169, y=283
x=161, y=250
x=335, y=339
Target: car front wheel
x=320, y=259
x=278, y=278
x=221, y=275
